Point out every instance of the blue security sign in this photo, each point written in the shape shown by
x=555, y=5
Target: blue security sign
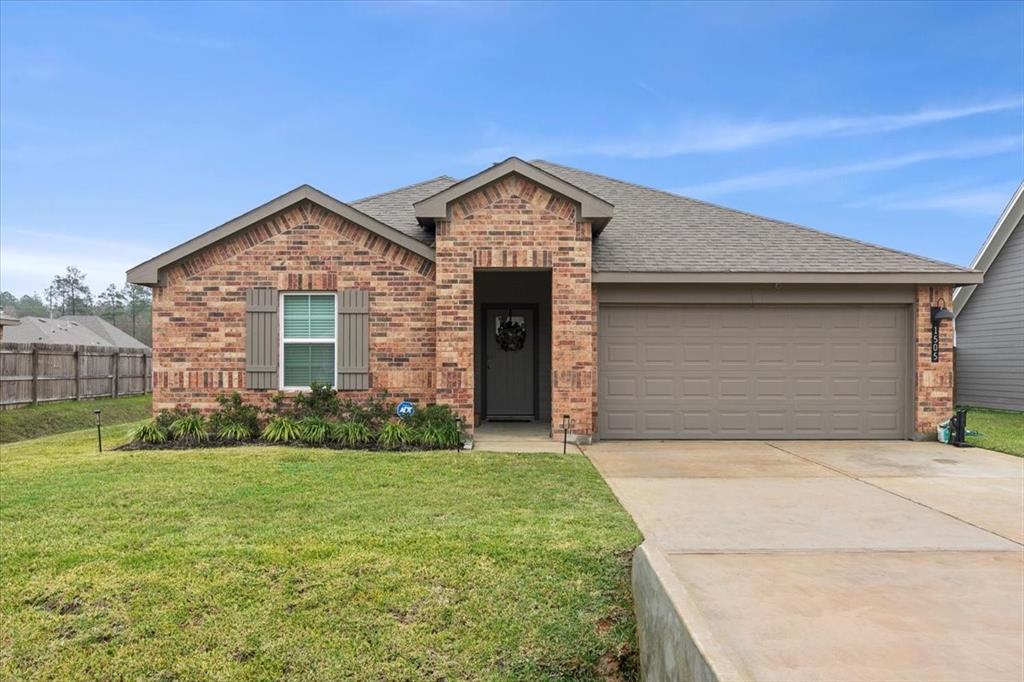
x=405, y=409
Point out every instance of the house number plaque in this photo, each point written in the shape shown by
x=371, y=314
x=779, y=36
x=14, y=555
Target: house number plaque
x=935, y=343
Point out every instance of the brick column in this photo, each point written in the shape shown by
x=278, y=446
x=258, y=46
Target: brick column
x=454, y=304
x=933, y=381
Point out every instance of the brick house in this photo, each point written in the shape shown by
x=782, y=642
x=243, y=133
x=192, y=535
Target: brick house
x=530, y=291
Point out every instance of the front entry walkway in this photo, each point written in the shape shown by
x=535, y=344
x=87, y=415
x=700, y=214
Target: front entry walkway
x=824, y=560
x=502, y=436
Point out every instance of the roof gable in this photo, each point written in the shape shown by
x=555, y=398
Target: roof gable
x=147, y=273
x=1008, y=222
x=592, y=207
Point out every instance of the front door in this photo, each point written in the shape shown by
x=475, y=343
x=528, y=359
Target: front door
x=510, y=370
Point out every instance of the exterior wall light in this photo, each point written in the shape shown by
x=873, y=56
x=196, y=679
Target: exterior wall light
x=939, y=313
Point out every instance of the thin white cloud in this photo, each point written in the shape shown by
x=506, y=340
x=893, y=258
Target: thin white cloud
x=735, y=136
x=787, y=177
x=695, y=137
x=980, y=200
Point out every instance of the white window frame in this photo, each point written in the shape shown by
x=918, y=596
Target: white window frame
x=281, y=339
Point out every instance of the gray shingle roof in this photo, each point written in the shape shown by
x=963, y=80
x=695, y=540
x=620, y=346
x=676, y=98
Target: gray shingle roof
x=103, y=329
x=76, y=330
x=394, y=208
x=657, y=231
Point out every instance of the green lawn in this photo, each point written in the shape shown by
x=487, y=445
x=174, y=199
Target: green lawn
x=33, y=421
x=278, y=562
x=1000, y=430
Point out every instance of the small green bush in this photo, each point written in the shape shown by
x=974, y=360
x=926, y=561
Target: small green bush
x=149, y=432
x=351, y=434
x=282, y=430
x=439, y=435
x=433, y=414
x=235, y=431
x=321, y=401
x=236, y=416
x=314, y=430
x=395, y=436
x=437, y=426
x=165, y=418
x=191, y=427
x=374, y=413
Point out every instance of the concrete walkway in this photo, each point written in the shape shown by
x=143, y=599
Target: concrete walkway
x=824, y=560
x=521, y=437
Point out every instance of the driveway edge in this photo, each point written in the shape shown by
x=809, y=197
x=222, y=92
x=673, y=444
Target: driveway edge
x=674, y=640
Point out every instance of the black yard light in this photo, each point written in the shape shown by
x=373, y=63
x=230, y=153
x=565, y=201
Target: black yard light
x=939, y=313
x=566, y=423
x=99, y=433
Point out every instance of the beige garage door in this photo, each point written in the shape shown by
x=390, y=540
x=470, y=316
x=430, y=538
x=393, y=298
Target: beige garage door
x=753, y=371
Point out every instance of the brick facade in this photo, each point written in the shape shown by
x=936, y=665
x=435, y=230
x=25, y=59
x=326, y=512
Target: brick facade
x=512, y=224
x=199, y=311
x=933, y=381
x=422, y=313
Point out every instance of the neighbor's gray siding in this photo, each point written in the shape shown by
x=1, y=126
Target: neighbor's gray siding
x=990, y=334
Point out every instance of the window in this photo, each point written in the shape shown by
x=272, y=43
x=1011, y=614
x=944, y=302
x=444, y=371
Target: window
x=309, y=330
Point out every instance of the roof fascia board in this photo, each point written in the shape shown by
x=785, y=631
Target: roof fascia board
x=592, y=208
x=961, y=277
x=994, y=243
x=147, y=273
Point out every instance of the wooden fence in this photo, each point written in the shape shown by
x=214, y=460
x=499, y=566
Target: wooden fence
x=46, y=372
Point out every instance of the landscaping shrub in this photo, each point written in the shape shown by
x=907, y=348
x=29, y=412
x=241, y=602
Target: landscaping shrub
x=165, y=418
x=235, y=431
x=314, y=430
x=308, y=418
x=235, y=419
x=352, y=434
x=377, y=411
x=439, y=435
x=437, y=426
x=149, y=433
x=190, y=428
x=321, y=401
x=395, y=436
x=282, y=430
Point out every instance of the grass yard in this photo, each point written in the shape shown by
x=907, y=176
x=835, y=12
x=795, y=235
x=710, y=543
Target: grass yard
x=1001, y=430
x=33, y=421
x=279, y=562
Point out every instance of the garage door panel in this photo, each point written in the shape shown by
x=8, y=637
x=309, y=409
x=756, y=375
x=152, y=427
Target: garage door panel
x=753, y=372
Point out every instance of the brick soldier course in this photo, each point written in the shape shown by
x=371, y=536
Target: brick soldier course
x=415, y=252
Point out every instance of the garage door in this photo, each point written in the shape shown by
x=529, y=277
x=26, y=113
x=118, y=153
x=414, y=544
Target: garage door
x=753, y=371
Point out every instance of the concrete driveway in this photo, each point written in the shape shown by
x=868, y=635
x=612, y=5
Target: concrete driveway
x=824, y=560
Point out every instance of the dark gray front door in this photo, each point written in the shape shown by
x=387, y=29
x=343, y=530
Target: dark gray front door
x=510, y=373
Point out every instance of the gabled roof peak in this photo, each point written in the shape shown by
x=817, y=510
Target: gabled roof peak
x=147, y=273
x=592, y=207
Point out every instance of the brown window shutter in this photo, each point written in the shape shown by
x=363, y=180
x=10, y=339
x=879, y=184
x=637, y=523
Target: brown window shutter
x=353, y=347
x=261, y=338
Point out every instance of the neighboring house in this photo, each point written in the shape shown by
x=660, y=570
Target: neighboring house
x=646, y=314
x=106, y=331
x=73, y=330
x=7, y=321
x=990, y=319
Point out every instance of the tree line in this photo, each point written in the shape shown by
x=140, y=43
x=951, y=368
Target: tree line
x=129, y=308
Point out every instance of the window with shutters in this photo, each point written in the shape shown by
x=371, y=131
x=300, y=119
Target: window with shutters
x=309, y=331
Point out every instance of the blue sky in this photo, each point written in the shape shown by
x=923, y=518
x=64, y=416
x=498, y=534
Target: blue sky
x=128, y=128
